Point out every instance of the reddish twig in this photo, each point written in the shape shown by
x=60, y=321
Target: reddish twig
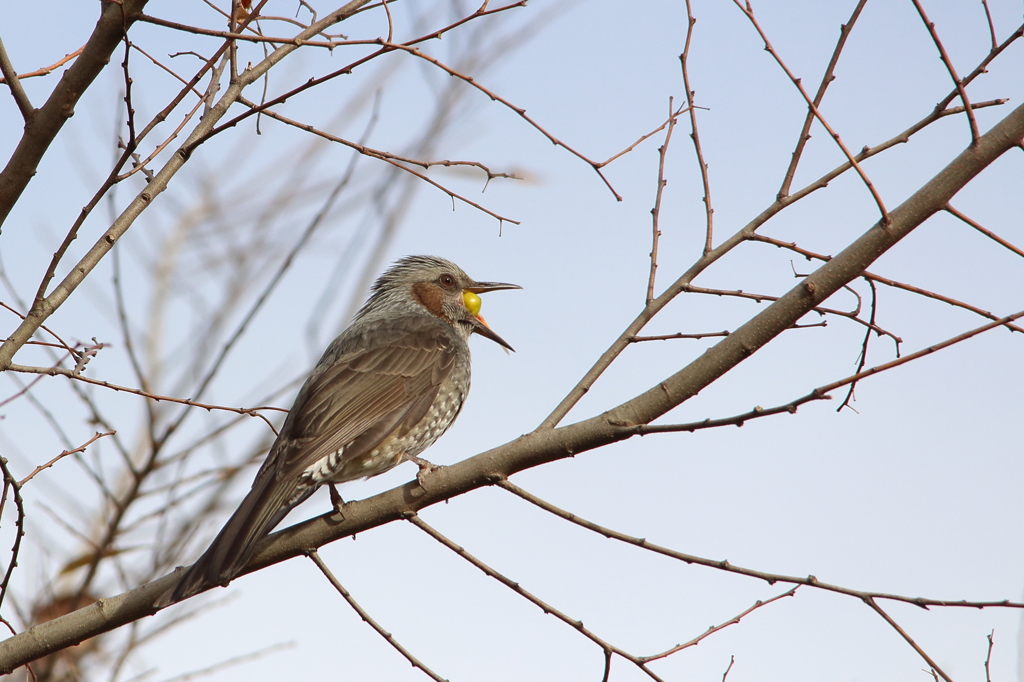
x=988, y=233
x=694, y=135
x=721, y=626
x=952, y=70
x=63, y=454
x=749, y=12
x=656, y=211
x=544, y=606
x=991, y=26
x=388, y=637
x=826, y=80
x=47, y=70
x=903, y=633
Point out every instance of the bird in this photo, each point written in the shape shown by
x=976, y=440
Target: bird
x=384, y=391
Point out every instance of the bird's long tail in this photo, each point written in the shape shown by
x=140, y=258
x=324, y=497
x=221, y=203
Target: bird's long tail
x=262, y=509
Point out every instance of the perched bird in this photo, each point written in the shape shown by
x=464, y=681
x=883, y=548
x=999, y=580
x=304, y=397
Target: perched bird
x=383, y=392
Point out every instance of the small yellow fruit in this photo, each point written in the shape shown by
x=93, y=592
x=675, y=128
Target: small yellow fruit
x=472, y=302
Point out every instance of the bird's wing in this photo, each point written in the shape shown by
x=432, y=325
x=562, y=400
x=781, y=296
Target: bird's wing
x=367, y=386
x=382, y=383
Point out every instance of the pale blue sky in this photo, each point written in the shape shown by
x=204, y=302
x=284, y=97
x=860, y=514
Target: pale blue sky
x=918, y=492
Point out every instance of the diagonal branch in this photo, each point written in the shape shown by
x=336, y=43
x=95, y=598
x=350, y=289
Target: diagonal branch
x=12, y=80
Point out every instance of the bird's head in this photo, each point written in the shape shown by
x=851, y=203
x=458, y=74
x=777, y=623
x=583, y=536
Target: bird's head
x=439, y=286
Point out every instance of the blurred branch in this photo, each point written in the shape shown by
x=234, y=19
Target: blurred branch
x=115, y=19
x=45, y=306
x=62, y=455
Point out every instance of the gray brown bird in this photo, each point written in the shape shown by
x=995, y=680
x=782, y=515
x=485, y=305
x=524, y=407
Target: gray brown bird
x=383, y=392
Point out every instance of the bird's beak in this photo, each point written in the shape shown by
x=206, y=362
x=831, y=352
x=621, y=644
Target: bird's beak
x=484, y=287
x=481, y=328
x=479, y=325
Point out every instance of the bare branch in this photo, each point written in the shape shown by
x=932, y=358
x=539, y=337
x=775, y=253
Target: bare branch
x=656, y=211
x=12, y=80
x=694, y=135
x=388, y=637
x=952, y=70
x=47, y=70
x=826, y=80
x=62, y=455
x=749, y=12
x=903, y=633
x=542, y=605
x=721, y=626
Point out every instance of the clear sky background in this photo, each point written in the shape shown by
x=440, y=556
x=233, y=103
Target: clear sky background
x=916, y=492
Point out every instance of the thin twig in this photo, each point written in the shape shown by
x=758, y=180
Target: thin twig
x=388, y=637
x=749, y=12
x=724, y=565
x=391, y=159
x=63, y=454
x=694, y=135
x=61, y=371
x=721, y=626
x=863, y=358
x=518, y=589
x=46, y=70
x=989, y=636
x=850, y=315
x=826, y=80
x=988, y=233
x=11, y=487
x=910, y=640
x=666, y=337
x=952, y=71
x=991, y=26
x=656, y=211
x=14, y=83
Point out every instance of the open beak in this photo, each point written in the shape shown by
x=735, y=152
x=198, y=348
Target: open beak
x=479, y=325
x=481, y=328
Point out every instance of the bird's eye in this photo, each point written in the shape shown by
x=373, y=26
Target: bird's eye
x=446, y=281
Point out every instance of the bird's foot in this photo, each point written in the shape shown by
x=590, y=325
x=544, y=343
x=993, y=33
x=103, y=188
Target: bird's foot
x=336, y=500
x=425, y=468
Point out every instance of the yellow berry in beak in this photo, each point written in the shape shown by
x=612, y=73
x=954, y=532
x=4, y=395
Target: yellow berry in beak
x=472, y=302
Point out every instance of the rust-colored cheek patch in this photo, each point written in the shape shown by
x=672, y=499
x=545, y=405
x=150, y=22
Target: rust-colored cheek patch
x=430, y=296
